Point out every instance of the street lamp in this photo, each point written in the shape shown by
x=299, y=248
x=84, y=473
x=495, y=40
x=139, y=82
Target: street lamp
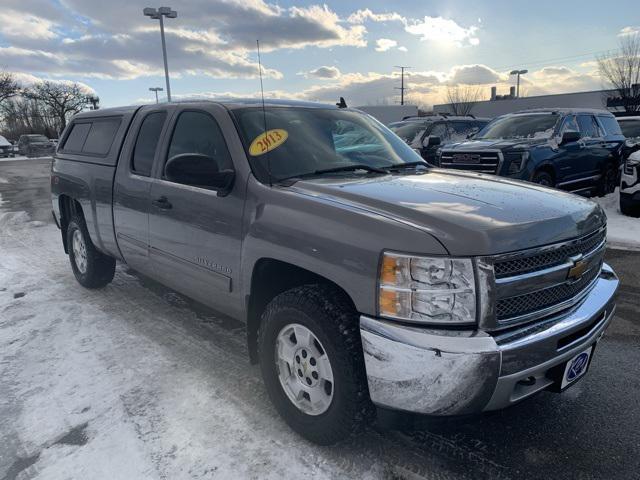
x=156, y=89
x=158, y=14
x=518, y=73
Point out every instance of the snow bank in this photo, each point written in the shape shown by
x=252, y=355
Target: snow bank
x=622, y=232
x=21, y=157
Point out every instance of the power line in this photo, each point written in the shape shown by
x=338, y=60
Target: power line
x=402, y=88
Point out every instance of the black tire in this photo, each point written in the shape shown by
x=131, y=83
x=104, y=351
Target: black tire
x=543, y=178
x=628, y=207
x=100, y=268
x=608, y=182
x=330, y=317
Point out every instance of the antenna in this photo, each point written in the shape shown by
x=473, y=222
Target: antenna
x=264, y=115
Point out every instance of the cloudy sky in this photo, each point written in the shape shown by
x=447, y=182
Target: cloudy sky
x=315, y=51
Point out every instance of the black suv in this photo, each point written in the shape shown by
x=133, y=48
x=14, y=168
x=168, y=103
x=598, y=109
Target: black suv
x=578, y=150
x=428, y=134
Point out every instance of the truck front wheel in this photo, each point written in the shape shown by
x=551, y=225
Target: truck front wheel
x=312, y=363
x=91, y=268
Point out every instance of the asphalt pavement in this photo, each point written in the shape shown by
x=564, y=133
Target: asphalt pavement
x=590, y=431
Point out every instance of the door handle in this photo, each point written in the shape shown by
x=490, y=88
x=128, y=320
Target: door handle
x=163, y=203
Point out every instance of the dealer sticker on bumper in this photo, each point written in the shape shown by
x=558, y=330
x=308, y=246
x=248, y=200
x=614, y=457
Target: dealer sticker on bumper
x=576, y=367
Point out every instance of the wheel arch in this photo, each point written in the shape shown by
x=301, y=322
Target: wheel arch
x=269, y=278
x=69, y=207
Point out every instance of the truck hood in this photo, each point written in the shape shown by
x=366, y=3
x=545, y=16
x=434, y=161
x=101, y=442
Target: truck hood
x=496, y=144
x=469, y=213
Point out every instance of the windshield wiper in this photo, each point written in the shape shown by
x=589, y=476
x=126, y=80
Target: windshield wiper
x=407, y=165
x=345, y=168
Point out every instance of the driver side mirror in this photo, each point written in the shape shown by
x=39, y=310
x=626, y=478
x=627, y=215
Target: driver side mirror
x=198, y=170
x=570, y=137
x=431, y=141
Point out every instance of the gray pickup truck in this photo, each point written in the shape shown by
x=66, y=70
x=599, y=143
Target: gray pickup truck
x=368, y=280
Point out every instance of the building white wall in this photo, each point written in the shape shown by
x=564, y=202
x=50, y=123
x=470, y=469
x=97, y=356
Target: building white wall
x=390, y=113
x=493, y=108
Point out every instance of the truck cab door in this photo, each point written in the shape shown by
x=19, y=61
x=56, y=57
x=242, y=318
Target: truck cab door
x=195, y=234
x=571, y=157
x=132, y=186
x=596, y=152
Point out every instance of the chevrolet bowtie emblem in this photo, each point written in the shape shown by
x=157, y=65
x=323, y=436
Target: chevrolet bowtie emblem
x=578, y=269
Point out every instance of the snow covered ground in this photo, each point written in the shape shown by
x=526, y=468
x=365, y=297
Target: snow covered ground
x=622, y=232
x=21, y=157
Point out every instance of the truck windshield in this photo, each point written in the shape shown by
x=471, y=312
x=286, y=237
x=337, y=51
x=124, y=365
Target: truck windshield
x=538, y=125
x=306, y=141
x=37, y=138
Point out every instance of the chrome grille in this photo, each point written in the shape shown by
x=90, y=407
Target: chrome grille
x=541, y=299
x=535, y=283
x=482, y=161
x=549, y=258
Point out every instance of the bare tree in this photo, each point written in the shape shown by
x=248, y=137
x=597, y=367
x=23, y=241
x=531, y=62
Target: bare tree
x=60, y=100
x=9, y=86
x=621, y=70
x=462, y=98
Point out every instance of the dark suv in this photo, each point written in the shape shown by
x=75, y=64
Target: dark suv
x=33, y=145
x=428, y=134
x=578, y=150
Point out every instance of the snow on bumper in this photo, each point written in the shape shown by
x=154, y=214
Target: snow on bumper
x=444, y=372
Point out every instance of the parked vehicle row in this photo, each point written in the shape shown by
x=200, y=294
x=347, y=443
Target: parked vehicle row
x=577, y=150
x=428, y=134
x=366, y=278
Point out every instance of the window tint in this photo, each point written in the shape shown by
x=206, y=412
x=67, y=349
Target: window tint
x=197, y=132
x=439, y=130
x=461, y=130
x=147, y=143
x=611, y=125
x=588, y=126
x=630, y=128
x=76, y=138
x=410, y=132
x=570, y=125
x=101, y=136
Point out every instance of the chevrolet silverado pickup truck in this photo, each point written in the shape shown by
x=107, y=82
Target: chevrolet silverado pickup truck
x=368, y=280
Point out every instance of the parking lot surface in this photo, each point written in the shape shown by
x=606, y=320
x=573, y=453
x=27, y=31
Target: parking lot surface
x=136, y=381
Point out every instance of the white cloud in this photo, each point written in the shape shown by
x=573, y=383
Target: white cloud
x=362, y=16
x=443, y=30
x=323, y=72
x=629, y=31
x=474, y=75
x=15, y=24
x=403, y=49
x=113, y=40
x=384, y=44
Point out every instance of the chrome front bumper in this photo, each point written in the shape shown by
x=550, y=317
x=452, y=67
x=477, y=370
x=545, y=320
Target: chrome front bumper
x=454, y=372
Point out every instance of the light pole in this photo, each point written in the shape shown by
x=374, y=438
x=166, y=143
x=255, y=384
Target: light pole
x=156, y=89
x=158, y=14
x=518, y=73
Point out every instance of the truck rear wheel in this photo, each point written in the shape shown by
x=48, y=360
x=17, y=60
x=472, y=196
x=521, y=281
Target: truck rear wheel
x=312, y=363
x=91, y=268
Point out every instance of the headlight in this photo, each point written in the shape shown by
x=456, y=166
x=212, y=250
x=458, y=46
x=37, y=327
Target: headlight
x=438, y=290
x=516, y=161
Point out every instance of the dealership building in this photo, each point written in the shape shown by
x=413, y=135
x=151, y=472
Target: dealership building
x=501, y=104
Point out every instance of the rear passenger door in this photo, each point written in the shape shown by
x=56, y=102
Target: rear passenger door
x=132, y=186
x=595, y=149
x=194, y=233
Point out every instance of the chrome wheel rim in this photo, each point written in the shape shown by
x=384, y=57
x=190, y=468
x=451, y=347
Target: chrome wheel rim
x=304, y=369
x=79, y=252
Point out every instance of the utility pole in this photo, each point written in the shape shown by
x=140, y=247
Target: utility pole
x=156, y=89
x=401, y=87
x=159, y=14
